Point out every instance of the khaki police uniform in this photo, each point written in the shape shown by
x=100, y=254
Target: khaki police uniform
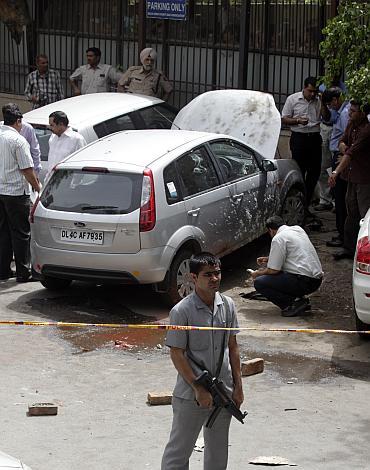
x=153, y=83
x=205, y=347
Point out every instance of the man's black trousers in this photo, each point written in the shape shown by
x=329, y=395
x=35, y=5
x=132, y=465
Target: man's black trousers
x=14, y=235
x=281, y=289
x=306, y=151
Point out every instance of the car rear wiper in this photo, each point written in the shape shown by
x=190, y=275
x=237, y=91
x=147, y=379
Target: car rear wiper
x=85, y=208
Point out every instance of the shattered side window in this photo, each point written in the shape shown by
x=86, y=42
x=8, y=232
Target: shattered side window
x=171, y=185
x=235, y=160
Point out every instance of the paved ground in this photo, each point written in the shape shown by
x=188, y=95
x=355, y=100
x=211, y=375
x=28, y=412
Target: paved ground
x=309, y=406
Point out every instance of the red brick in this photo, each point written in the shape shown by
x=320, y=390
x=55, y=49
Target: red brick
x=159, y=398
x=254, y=366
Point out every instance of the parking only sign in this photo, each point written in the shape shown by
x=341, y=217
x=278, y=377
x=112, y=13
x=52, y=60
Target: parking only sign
x=167, y=10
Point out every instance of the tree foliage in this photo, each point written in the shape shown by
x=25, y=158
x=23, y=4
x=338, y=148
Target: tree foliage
x=346, y=48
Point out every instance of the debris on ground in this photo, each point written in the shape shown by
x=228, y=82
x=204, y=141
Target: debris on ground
x=272, y=461
x=123, y=344
x=42, y=409
x=159, y=398
x=252, y=367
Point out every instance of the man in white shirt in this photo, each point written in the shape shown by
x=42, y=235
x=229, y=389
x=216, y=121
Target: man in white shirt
x=16, y=171
x=293, y=268
x=64, y=140
x=94, y=77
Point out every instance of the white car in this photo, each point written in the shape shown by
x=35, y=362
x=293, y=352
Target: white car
x=8, y=462
x=361, y=277
x=100, y=114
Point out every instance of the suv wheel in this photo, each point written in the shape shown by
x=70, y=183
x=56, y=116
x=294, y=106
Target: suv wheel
x=53, y=283
x=292, y=211
x=180, y=282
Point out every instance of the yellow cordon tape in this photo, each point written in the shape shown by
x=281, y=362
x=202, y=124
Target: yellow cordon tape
x=155, y=326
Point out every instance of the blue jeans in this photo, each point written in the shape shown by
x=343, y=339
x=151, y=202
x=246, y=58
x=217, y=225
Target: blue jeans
x=281, y=289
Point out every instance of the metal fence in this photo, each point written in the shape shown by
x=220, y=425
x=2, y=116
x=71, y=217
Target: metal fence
x=268, y=45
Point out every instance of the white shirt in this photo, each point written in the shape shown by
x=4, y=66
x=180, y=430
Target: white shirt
x=297, y=106
x=15, y=156
x=292, y=252
x=63, y=146
x=96, y=79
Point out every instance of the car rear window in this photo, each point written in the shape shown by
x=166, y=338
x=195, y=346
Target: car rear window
x=92, y=192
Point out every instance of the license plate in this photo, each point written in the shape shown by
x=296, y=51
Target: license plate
x=89, y=237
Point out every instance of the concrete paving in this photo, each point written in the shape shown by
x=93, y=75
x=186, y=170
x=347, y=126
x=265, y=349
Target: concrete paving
x=309, y=406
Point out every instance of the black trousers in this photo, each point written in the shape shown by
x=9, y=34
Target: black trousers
x=306, y=151
x=14, y=235
x=357, y=202
x=339, y=192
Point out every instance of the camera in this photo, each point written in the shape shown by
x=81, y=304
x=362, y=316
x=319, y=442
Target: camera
x=43, y=100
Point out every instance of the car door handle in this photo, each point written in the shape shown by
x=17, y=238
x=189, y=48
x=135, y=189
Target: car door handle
x=237, y=197
x=194, y=212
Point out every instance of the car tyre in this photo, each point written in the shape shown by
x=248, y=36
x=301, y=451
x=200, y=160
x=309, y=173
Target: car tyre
x=292, y=211
x=180, y=284
x=361, y=326
x=54, y=283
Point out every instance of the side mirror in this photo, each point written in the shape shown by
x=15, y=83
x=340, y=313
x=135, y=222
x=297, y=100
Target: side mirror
x=268, y=165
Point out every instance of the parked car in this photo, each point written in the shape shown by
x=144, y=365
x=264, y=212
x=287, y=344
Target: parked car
x=99, y=114
x=361, y=278
x=134, y=206
x=8, y=462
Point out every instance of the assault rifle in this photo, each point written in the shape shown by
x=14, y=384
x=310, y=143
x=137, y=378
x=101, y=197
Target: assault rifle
x=220, y=397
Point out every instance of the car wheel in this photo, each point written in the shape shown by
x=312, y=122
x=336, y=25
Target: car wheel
x=180, y=282
x=361, y=326
x=292, y=211
x=53, y=283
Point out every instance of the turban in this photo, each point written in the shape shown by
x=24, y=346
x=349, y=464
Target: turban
x=147, y=52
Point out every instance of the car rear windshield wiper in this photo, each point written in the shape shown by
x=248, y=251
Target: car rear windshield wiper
x=85, y=208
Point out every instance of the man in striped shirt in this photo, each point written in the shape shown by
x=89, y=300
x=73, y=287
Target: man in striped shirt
x=16, y=171
x=43, y=85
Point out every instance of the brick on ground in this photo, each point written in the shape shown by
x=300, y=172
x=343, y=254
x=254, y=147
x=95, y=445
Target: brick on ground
x=252, y=367
x=159, y=398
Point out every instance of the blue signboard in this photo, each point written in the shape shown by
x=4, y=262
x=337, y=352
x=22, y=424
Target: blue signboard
x=167, y=10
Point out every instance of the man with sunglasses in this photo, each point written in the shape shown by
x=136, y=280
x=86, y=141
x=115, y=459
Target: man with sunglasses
x=215, y=350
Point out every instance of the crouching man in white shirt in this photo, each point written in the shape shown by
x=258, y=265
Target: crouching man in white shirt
x=64, y=140
x=293, y=268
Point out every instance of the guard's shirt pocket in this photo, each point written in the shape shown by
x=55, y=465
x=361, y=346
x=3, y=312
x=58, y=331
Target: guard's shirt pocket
x=198, y=340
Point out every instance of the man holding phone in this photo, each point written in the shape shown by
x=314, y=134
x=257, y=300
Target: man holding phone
x=302, y=112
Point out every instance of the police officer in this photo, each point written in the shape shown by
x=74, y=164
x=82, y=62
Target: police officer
x=145, y=79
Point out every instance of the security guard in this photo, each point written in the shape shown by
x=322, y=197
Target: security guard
x=145, y=79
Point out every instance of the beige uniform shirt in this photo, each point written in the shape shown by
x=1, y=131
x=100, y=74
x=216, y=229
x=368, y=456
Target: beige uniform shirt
x=154, y=83
x=297, y=106
x=95, y=80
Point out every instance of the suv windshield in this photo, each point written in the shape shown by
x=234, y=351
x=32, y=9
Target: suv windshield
x=92, y=192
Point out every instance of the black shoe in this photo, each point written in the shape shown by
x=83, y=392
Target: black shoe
x=10, y=275
x=26, y=279
x=297, y=307
x=323, y=207
x=334, y=243
x=344, y=254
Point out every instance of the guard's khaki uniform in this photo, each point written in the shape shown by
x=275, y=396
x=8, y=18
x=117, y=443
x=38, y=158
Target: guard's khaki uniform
x=152, y=83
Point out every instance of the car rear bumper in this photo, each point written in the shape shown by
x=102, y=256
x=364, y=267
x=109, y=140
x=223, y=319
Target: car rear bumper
x=361, y=287
x=144, y=267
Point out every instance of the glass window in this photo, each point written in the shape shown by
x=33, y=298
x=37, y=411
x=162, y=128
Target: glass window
x=93, y=192
x=116, y=124
x=171, y=184
x=160, y=116
x=197, y=172
x=235, y=160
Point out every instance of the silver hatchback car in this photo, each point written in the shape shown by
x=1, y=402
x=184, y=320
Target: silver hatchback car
x=134, y=206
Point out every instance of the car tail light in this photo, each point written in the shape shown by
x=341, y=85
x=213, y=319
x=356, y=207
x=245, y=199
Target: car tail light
x=363, y=256
x=33, y=209
x=147, y=206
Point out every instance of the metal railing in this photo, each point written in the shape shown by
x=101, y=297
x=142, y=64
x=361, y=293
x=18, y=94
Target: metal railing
x=267, y=45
